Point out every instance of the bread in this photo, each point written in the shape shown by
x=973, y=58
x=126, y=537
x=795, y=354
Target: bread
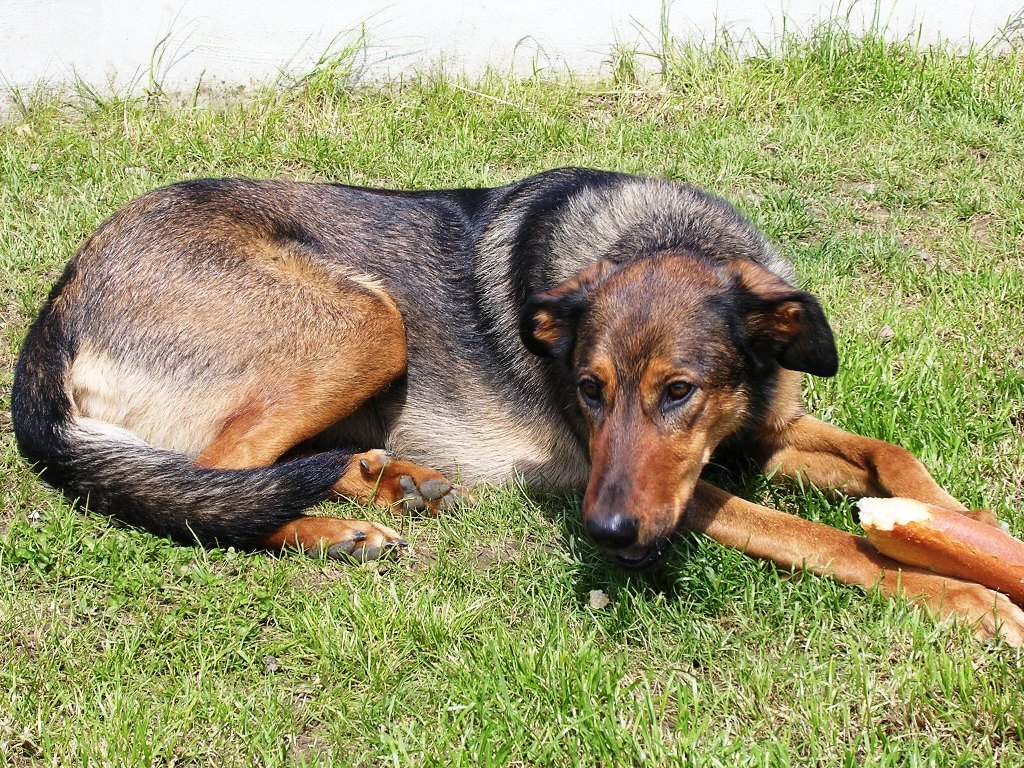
x=945, y=542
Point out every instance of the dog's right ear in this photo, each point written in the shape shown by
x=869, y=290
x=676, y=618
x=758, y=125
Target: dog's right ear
x=547, y=322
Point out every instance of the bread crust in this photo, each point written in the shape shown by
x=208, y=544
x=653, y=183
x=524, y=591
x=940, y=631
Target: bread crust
x=946, y=542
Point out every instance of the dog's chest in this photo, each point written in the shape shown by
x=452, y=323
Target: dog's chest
x=489, y=445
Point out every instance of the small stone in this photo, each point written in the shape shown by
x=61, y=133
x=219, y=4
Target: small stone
x=598, y=599
x=887, y=334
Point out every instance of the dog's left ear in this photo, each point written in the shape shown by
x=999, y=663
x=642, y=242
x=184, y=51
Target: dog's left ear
x=790, y=321
x=548, y=320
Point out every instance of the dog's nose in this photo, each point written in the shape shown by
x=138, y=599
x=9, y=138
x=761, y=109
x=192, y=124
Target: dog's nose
x=616, y=531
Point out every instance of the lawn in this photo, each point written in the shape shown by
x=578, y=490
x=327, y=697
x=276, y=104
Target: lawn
x=892, y=176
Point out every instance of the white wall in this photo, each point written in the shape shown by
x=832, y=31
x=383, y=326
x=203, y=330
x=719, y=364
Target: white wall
x=107, y=42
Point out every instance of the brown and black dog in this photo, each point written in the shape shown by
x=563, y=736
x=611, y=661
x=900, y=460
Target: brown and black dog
x=222, y=354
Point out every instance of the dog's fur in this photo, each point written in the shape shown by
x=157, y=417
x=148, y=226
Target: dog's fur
x=222, y=354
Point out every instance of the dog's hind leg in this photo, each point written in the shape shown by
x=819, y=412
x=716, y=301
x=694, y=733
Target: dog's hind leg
x=298, y=396
x=369, y=477
x=335, y=537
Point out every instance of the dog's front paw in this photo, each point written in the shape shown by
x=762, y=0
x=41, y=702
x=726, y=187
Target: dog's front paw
x=987, y=517
x=991, y=614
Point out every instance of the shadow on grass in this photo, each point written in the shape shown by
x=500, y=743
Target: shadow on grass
x=690, y=573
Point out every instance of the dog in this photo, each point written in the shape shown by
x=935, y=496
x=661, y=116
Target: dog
x=221, y=354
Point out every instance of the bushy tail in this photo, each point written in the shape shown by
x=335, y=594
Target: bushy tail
x=113, y=471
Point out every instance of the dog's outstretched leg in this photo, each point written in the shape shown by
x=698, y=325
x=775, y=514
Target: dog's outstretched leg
x=829, y=457
x=791, y=542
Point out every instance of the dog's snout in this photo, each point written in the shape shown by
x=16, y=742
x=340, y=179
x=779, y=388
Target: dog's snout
x=615, y=531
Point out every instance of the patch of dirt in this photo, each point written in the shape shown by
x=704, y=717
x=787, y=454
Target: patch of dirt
x=856, y=187
x=984, y=229
x=18, y=745
x=422, y=559
x=874, y=213
x=927, y=244
x=306, y=748
x=484, y=556
x=487, y=556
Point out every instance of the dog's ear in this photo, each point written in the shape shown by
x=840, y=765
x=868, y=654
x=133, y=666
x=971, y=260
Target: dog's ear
x=785, y=320
x=547, y=322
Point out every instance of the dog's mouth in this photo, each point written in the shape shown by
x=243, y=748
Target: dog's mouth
x=645, y=558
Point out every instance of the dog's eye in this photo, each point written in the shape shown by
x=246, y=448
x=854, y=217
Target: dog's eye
x=676, y=393
x=590, y=391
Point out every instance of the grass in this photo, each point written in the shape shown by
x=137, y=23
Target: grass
x=891, y=175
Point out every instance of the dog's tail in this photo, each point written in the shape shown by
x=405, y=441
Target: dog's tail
x=114, y=471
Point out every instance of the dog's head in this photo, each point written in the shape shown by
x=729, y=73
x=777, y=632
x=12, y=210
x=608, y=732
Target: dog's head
x=664, y=354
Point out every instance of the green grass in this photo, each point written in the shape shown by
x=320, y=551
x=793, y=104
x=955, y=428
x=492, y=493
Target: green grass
x=891, y=176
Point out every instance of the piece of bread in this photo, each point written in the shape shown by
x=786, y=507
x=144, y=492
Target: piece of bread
x=945, y=542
